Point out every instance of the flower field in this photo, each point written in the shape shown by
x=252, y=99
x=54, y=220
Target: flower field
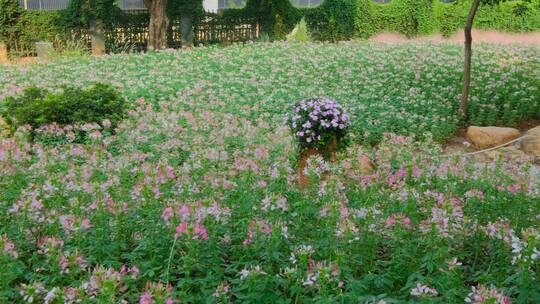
x=194, y=198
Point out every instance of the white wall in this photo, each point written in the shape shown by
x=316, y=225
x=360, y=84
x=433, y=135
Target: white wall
x=210, y=5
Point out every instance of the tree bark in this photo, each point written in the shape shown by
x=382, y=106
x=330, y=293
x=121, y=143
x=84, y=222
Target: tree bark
x=159, y=22
x=468, y=56
x=97, y=38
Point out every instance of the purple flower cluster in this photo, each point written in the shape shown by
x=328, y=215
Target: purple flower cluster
x=315, y=120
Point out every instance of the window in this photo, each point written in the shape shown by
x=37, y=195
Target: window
x=131, y=4
x=63, y=4
x=225, y=4
x=44, y=4
x=306, y=3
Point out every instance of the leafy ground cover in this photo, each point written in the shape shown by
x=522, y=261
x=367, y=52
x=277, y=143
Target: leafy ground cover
x=194, y=198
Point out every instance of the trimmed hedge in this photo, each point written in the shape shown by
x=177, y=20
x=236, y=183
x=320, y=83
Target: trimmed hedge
x=334, y=20
x=508, y=16
x=423, y=17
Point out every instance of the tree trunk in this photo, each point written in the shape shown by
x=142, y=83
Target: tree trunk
x=186, y=27
x=157, y=29
x=468, y=56
x=97, y=38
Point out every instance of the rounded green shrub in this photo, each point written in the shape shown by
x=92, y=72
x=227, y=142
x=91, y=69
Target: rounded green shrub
x=37, y=107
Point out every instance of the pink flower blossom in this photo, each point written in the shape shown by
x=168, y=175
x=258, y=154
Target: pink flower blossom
x=85, y=224
x=181, y=229
x=167, y=214
x=407, y=222
x=199, y=231
x=146, y=298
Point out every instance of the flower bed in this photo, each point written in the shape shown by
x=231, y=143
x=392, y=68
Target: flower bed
x=194, y=198
x=408, y=89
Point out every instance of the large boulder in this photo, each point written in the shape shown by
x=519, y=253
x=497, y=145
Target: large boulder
x=486, y=137
x=531, y=143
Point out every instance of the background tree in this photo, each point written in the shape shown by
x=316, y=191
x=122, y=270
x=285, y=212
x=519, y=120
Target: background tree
x=159, y=23
x=10, y=13
x=464, y=105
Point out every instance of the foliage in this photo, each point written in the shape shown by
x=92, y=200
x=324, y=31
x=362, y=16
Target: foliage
x=65, y=48
x=279, y=30
x=81, y=13
x=300, y=33
x=344, y=19
x=30, y=27
x=41, y=26
x=408, y=17
x=333, y=20
x=10, y=13
x=275, y=18
x=413, y=18
x=37, y=108
x=178, y=8
x=365, y=19
x=314, y=122
x=509, y=16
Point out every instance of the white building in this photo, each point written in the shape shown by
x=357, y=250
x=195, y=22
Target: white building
x=211, y=6
x=208, y=5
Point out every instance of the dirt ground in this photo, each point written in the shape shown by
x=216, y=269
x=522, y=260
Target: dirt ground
x=478, y=36
x=458, y=145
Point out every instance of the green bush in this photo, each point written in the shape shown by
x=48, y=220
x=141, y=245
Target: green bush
x=300, y=33
x=69, y=48
x=38, y=107
x=40, y=26
x=333, y=20
x=20, y=29
x=408, y=17
x=275, y=18
x=365, y=19
x=451, y=17
x=10, y=13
